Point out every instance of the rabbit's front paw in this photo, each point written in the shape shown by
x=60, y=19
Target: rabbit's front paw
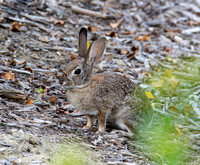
x=89, y=124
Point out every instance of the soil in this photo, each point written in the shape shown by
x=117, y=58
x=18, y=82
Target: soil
x=38, y=38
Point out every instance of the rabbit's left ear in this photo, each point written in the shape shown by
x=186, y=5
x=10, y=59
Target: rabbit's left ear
x=96, y=50
x=83, y=42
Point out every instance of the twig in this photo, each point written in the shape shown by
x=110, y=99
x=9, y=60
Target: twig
x=45, y=70
x=9, y=92
x=30, y=22
x=87, y=12
x=14, y=70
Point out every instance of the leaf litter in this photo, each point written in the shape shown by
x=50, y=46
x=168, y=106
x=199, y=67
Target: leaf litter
x=147, y=35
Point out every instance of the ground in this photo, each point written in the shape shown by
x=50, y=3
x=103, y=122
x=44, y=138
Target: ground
x=38, y=38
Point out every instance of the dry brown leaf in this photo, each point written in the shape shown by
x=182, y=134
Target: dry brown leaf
x=16, y=27
x=143, y=38
x=12, y=62
x=8, y=75
x=53, y=99
x=173, y=109
x=167, y=50
x=73, y=56
x=111, y=34
x=29, y=69
x=65, y=103
x=63, y=91
x=124, y=51
x=58, y=75
x=66, y=112
x=93, y=29
x=43, y=38
x=127, y=33
x=56, y=21
x=29, y=102
x=75, y=111
x=134, y=48
x=191, y=23
x=116, y=24
x=1, y=19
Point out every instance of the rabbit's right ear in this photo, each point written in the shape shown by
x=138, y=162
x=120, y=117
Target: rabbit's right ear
x=83, y=42
x=96, y=50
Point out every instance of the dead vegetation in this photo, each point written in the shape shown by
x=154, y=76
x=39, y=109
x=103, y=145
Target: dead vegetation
x=39, y=37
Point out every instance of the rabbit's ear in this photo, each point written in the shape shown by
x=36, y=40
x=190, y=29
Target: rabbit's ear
x=96, y=50
x=83, y=42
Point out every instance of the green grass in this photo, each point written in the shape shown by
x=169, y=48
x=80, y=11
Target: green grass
x=72, y=152
x=176, y=112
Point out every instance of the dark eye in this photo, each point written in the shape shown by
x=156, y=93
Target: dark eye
x=77, y=71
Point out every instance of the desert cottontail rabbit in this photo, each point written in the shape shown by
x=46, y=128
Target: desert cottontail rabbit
x=109, y=96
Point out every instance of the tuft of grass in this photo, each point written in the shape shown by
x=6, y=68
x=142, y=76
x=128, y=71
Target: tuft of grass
x=176, y=112
x=71, y=152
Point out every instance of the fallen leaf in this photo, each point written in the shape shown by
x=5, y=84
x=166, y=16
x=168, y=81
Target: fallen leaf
x=75, y=111
x=187, y=109
x=63, y=91
x=167, y=50
x=111, y=34
x=40, y=90
x=29, y=102
x=29, y=69
x=88, y=44
x=116, y=24
x=58, y=75
x=173, y=109
x=16, y=27
x=53, y=99
x=93, y=29
x=134, y=48
x=173, y=82
x=131, y=55
x=56, y=21
x=168, y=73
x=158, y=84
x=8, y=75
x=127, y=33
x=124, y=51
x=177, y=131
x=66, y=112
x=12, y=62
x=171, y=60
x=143, y=38
x=1, y=19
x=149, y=95
x=43, y=38
x=191, y=23
x=73, y=57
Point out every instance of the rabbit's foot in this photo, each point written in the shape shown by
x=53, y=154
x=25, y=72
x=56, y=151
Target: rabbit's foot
x=89, y=124
x=87, y=127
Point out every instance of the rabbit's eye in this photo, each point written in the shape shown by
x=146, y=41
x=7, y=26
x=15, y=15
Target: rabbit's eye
x=77, y=71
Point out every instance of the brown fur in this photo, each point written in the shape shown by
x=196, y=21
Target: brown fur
x=105, y=95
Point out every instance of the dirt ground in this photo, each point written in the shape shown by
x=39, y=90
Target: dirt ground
x=38, y=38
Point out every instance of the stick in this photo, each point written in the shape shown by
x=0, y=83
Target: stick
x=9, y=92
x=87, y=12
x=14, y=70
x=30, y=22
